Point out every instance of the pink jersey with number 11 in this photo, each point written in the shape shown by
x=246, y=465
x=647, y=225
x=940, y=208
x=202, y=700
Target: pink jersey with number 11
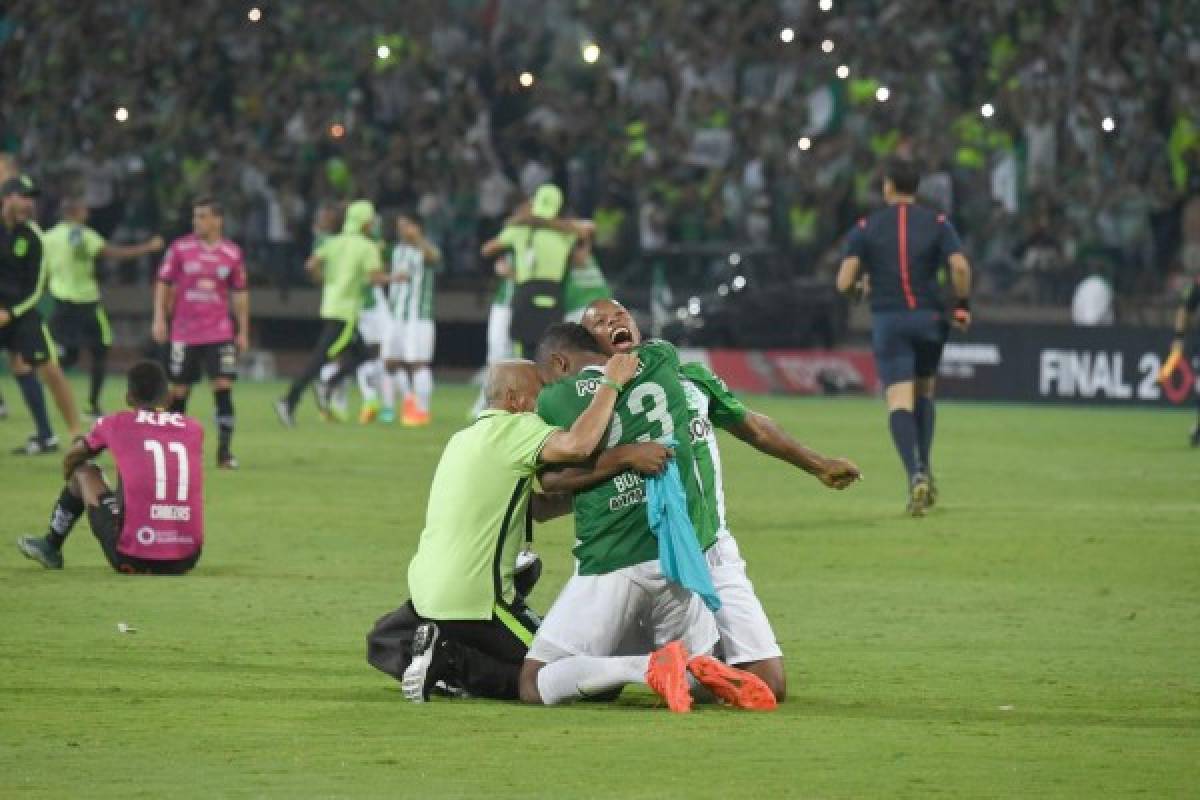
x=202, y=276
x=158, y=455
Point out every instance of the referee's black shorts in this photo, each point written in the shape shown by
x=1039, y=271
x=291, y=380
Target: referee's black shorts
x=80, y=325
x=28, y=337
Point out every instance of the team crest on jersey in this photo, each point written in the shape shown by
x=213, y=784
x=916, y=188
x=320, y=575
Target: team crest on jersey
x=700, y=429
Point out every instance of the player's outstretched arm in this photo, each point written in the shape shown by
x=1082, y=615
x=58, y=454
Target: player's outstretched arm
x=764, y=434
x=645, y=458
x=122, y=252
x=847, y=275
x=158, y=327
x=578, y=444
x=550, y=506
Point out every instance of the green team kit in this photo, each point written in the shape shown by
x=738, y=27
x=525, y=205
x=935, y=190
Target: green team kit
x=611, y=527
x=709, y=403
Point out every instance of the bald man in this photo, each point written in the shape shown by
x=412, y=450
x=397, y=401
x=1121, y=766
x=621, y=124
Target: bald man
x=461, y=579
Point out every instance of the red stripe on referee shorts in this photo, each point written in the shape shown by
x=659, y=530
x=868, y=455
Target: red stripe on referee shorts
x=902, y=239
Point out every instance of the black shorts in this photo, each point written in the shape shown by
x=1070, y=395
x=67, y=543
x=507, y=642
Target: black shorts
x=908, y=344
x=505, y=637
x=106, y=520
x=186, y=362
x=341, y=338
x=27, y=337
x=80, y=325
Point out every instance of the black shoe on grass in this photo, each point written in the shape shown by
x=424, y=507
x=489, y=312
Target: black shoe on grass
x=36, y=548
x=428, y=661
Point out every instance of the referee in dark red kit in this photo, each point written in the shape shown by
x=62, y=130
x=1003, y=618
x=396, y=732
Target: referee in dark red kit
x=902, y=247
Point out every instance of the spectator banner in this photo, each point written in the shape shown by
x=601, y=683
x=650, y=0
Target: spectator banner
x=791, y=371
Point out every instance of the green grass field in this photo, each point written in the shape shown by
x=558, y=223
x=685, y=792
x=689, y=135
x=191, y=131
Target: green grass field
x=1038, y=635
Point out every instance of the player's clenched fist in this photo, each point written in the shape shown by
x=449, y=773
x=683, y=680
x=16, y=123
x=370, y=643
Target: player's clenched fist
x=648, y=458
x=838, y=473
x=621, y=368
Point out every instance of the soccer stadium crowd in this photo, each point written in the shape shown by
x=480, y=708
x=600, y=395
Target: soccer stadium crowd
x=1062, y=137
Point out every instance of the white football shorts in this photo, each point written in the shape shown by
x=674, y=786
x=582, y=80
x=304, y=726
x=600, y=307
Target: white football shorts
x=598, y=615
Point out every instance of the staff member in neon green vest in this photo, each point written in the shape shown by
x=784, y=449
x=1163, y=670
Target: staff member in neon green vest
x=541, y=247
x=70, y=249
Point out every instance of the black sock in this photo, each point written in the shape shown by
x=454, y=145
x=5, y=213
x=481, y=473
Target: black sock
x=178, y=404
x=904, y=434
x=223, y=400
x=31, y=390
x=66, y=513
x=924, y=414
x=481, y=674
x=99, y=366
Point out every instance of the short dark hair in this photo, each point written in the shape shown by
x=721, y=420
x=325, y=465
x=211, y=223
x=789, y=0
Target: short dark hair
x=211, y=202
x=147, y=383
x=904, y=175
x=568, y=337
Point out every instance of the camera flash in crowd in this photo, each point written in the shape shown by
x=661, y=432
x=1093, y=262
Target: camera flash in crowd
x=591, y=52
x=826, y=5
x=384, y=52
x=987, y=110
x=337, y=130
x=526, y=79
x=121, y=114
x=1108, y=124
x=787, y=35
x=804, y=143
x=254, y=14
x=843, y=72
x=882, y=94
x=827, y=46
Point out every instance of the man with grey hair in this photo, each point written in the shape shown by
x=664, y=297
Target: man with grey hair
x=475, y=628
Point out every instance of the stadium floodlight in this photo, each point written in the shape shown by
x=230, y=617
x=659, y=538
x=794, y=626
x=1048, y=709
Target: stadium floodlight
x=826, y=5
x=987, y=110
x=827, y=46
x=804, y=143
x=735, y=259
x=787, y=35
x=843, y=72
x=739, y=282
x=526, y=79
x=694, y=306
x=882, y=94
x=1108, y=124
x=121, y=114
x=591, y=52
x=254, y=14
x=384, y=52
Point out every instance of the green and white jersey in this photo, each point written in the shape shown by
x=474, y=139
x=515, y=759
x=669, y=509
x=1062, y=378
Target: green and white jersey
x=709, y=403
x=584, y=285
x=612, y=530
x=374, y=298
x=69, y=252
x=412, y=299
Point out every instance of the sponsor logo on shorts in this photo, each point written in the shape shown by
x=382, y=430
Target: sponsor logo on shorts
x=147, y=536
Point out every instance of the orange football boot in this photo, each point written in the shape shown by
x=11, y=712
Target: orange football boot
x=667, y=676
x=734, y=686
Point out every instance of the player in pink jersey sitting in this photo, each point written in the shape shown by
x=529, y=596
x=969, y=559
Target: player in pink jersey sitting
x=153, y=524
x=201, y=276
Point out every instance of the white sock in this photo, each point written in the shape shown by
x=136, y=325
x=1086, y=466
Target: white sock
x=423, y=385
x=403, y=386
x=328, y=371
x=387, y=389
x=368, y=378
x=576, y=677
